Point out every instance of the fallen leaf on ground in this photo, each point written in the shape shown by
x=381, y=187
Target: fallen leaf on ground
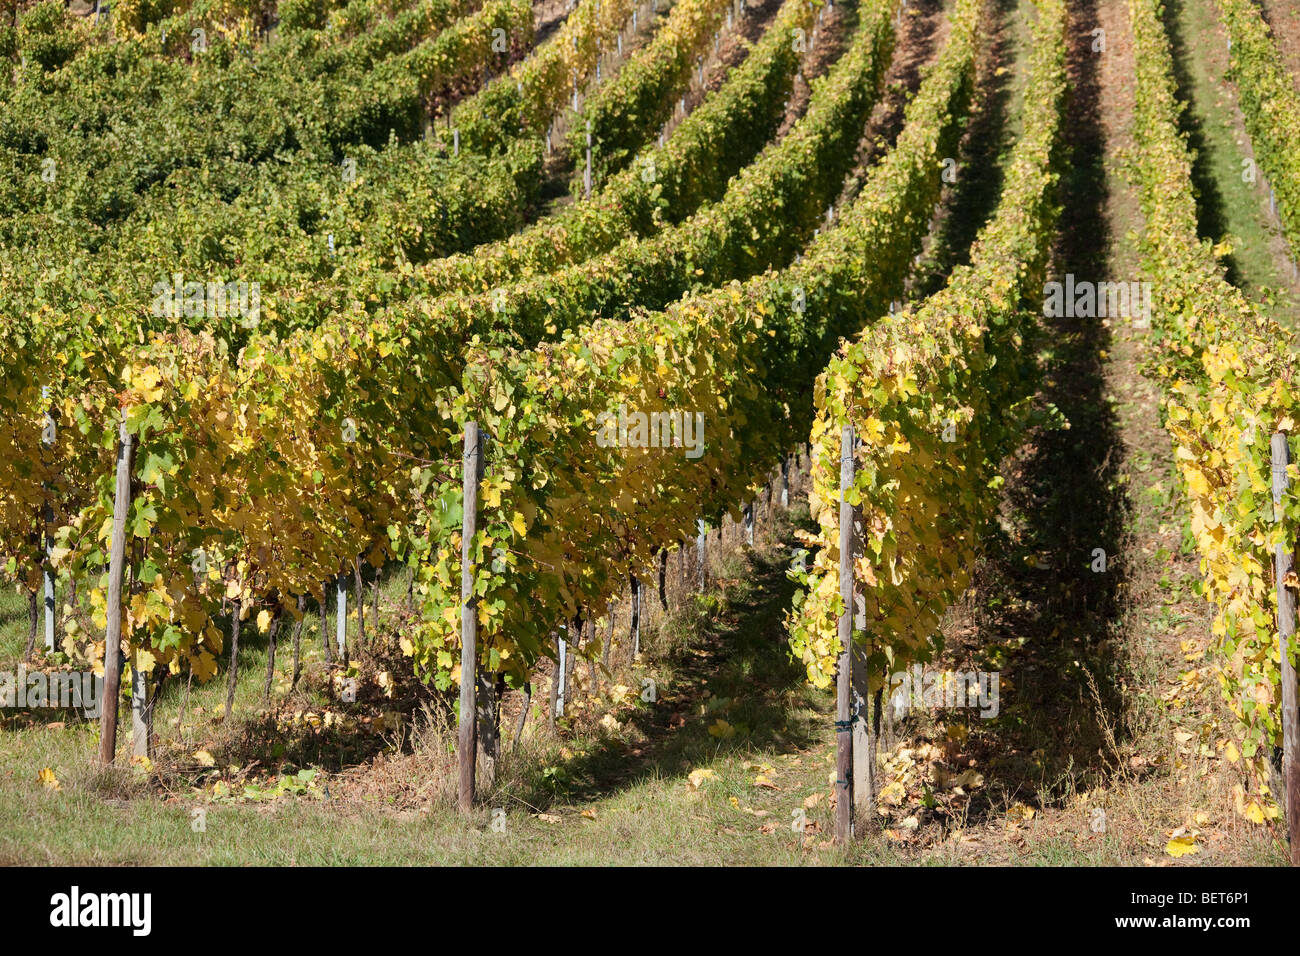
x=697, y=777
x=1182, y=846
x=721, y=729
x=892, y=793
x=1019, y=815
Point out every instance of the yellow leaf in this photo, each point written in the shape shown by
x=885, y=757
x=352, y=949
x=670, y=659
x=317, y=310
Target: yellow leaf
x=46, y=777
x=204, y=758
x=697, y=777
x=146, y=661
x=721, y=729
x=1253, y=812
x=1182, y=846
x=263, y=620
x=517, y=522
x=892, y=793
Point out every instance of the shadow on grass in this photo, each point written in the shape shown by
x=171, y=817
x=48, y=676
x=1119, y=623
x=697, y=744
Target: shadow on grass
x=726, y=651
x=1037, y=613
x=979, y=181
x=1211, y=215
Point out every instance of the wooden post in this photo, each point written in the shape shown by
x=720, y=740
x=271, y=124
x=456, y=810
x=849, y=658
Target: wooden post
x=635, y=586
x=785, y=482
x=700, y=539
x=562, y=673
x=467, y=751
x=844, y=676
x=1283, y=563
x=297, y=640
x=47, y=441
x=663, y=578
x=236, y=622
x=324, y=625
x=555, y=687
x=113, y=630
x=49, y=580
x=749, y=523
x=341, y=615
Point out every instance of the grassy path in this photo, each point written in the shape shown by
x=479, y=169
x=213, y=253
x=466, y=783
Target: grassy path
x=1107, y=740
x=1232, y=209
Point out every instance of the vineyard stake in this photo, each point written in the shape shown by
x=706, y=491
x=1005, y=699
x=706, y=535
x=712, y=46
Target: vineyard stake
x=113, y=630
x=361, y=603
x=341, y=615
x=785, y=482
x=236, y=622
x=635, y=584
x=47, y=440
x=297, y=640
x=699, y=548
x=325, y=624
x=1283, y=563
x=561, y=673
x=49, y=579
x=843, y=678
x=663, y=578
x=467, y=750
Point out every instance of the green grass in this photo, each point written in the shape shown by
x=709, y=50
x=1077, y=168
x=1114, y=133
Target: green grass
x=1231, y=209
x=722, y=656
